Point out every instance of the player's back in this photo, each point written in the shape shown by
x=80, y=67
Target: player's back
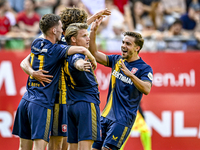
x=45, y=56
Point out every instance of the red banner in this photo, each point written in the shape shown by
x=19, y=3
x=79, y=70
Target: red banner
x=171, y=109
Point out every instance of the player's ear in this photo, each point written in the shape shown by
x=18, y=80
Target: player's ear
x=73, y=39
x=54, y=30
x=137, y=48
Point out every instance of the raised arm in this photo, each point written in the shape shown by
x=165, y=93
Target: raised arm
x=100, y=57
x=104, y=12
x=38, y=75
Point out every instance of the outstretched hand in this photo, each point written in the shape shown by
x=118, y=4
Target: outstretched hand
x=104, y=12
x=96, y=24
x=41, y=76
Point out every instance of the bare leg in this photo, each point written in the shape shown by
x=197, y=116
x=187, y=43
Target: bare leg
x=39, y=144
x=64, y=144
x=25, y=144
x=73, y=146
x=85, y=145
x=55, y=143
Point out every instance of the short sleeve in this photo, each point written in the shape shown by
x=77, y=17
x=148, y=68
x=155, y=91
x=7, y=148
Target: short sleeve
x=147, y=74
x=76, y=57
x=61, y=51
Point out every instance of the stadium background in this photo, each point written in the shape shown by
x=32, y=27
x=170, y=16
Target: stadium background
x=171, y=109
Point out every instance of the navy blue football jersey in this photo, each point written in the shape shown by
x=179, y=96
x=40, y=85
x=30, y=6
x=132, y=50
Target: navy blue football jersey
x=46, y=56
x=82, y=85
x=61, y=94
x=123, y=97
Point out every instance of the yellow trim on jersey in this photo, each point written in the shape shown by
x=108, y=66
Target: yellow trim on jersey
x=46, y=133
x=122, y=137
x=94, y=121
x=108, y=105
x=62, y=88
x=66, y=69
x=41, y=58
x=113, y=82
x=32, y=57
x=55, y=119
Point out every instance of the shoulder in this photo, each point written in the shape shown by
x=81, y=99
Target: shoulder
x=37, y=40
x=114, y=57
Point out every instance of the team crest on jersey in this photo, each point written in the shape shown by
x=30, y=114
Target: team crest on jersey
x=64, y=128
x=134, y=70
x=63, y=39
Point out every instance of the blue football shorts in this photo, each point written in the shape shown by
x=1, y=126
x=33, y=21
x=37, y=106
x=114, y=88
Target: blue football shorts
x=83, y=122
x=59, y=127
x=114, y=134
x=32, y=121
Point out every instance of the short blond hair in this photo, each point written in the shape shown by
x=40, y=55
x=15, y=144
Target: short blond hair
x=72, y=30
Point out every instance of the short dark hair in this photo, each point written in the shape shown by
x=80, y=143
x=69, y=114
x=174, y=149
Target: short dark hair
x=72, y=15
x=48, y=21
x=139, y=41
x=73, y=29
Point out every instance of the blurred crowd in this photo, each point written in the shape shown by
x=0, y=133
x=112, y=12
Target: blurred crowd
x=166, y=25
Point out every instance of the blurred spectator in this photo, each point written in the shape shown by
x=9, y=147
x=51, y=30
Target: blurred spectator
x=191, y=19
x=5, y=25
x=45, y=6
x=114, y=44
x=26, y=29
x=174, y=8
x=137, y=11
x=17, y=5
x=176, y=37
x=120, y=4
x=94, y=6
x=11, y=14
x=188, y=2
x=158, y=17
x=28, y=20
x=146, y=5
x=115, y=17
x=61, y=6
x=191, y=23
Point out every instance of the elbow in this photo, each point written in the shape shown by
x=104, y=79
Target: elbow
x=83, y=50
x=146, y=92
x=22, y=65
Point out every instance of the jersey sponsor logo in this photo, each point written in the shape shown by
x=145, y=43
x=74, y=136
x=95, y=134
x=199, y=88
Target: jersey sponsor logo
x=134, y=70
x=114, y=138
x=122, y=77
x=64, y=128
x=39, y=50
x=150, y=76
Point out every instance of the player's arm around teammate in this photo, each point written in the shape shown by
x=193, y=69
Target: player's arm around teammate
x=41, y=75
